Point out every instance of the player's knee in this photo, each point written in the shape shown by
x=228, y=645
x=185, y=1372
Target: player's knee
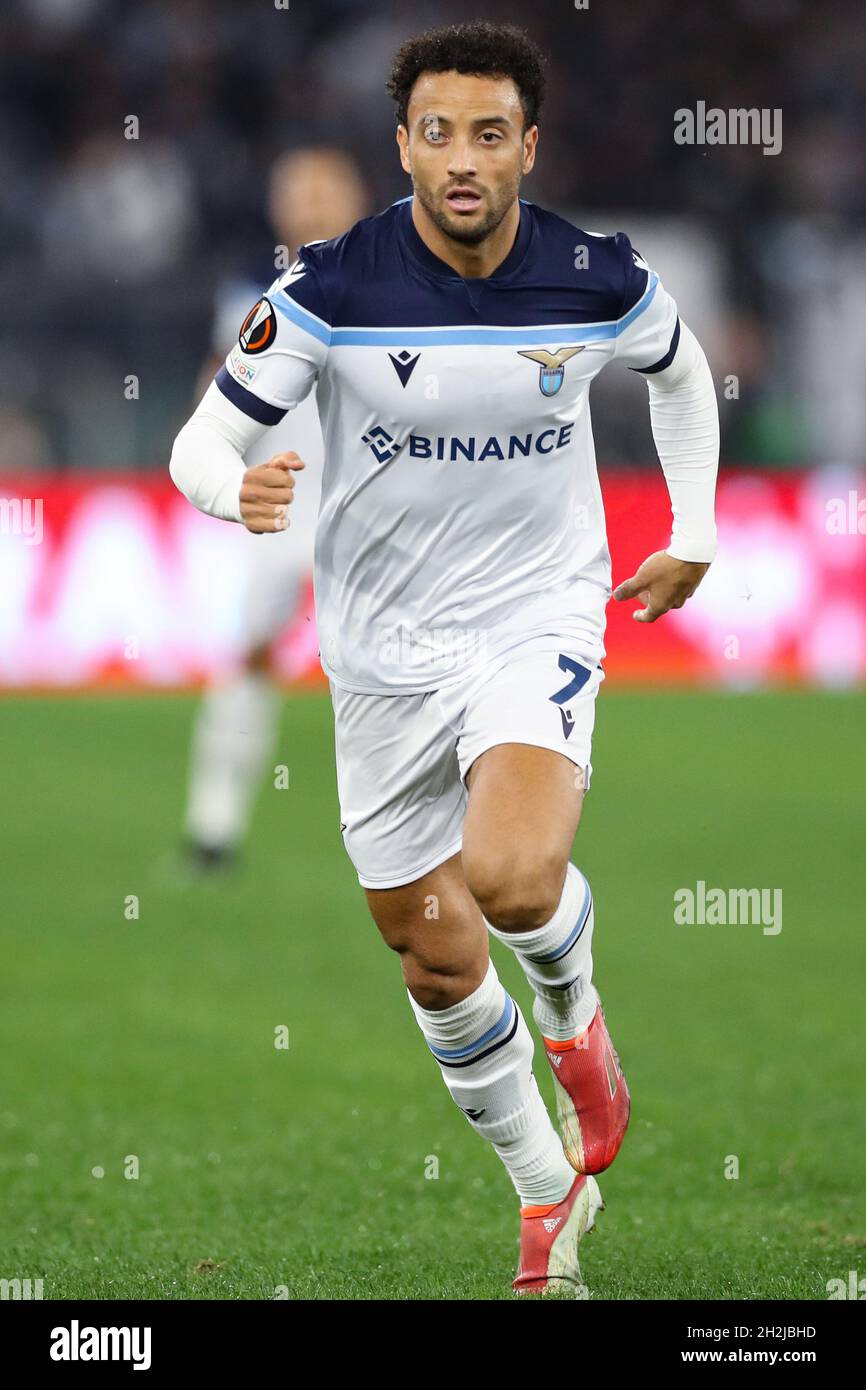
x=436, y=985
x=516, y=893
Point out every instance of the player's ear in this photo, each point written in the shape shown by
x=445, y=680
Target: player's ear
x=530, y=140
x=403, y=142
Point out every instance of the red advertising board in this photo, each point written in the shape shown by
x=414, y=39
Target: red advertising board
x=119, y=580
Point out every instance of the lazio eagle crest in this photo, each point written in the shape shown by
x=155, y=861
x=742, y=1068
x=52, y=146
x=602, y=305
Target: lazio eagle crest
x=552, y=366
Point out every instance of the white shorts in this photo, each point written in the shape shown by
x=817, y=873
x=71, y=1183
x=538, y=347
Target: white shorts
x=402, y=760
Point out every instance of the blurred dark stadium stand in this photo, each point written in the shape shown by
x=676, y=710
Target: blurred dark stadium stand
x=112, y=247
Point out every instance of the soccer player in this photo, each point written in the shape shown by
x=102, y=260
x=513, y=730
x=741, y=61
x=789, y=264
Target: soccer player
x=461, y=579
x=313, y=191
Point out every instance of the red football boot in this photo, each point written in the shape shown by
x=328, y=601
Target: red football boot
x=592, y=1099
x=549, y=1240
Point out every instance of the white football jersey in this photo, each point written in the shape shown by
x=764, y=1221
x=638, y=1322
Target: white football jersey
x=460, y=496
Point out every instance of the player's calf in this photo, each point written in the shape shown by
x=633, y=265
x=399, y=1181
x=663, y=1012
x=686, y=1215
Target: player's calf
x=436, y=929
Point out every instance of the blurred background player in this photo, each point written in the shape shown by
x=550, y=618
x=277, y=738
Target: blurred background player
x=314, y=193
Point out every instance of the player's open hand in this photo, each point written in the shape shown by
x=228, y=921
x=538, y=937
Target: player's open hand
x=661, y=583
x=266, y=493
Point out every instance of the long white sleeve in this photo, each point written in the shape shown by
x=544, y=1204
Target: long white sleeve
x=207, y=461
x=685, y=425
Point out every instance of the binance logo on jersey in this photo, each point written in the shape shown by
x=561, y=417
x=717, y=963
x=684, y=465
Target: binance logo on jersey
x=472, y=448
x=383, y=445
x=551, y=371
x=259, y=328
x=479, y=448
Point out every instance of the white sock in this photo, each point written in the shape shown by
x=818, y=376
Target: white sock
x=484, y=1051
x=557, y=961
x=233, y=737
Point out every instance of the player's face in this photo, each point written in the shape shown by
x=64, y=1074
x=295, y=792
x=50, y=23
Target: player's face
x=466, y=150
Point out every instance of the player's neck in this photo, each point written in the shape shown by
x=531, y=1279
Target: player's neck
x=472, y=262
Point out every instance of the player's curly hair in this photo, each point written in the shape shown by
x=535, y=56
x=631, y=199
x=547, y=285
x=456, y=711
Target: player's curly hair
x=481, y=48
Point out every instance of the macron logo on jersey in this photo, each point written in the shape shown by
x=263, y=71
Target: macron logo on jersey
x=404, y=365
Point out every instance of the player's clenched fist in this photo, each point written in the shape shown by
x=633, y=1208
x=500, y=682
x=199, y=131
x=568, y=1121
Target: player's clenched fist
x=266, y=493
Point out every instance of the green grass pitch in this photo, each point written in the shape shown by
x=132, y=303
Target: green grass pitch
x=304, y=1169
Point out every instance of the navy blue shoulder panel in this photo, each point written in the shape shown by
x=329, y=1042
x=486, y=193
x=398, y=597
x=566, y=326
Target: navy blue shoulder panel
x=603, y=268
x=308, y=291
x=370, y=277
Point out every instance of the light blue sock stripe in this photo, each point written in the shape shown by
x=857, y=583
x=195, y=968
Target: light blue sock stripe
x=449, y=1055
x=549, y=957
